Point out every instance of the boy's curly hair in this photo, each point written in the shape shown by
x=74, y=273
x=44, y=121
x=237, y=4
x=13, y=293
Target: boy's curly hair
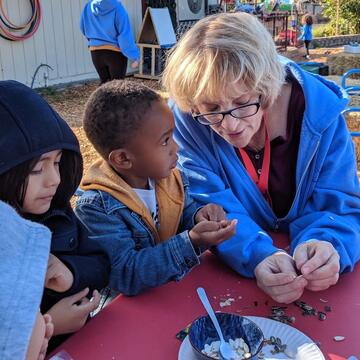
x=114, y=112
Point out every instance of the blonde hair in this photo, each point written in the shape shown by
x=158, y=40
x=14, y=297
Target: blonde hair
x=220, y=50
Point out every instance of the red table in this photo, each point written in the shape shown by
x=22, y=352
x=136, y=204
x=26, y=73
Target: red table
x=144, y=327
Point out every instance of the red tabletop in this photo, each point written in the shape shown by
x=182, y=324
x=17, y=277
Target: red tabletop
x=144, y=327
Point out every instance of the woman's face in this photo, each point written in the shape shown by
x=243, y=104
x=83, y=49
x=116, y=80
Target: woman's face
x=238, y=132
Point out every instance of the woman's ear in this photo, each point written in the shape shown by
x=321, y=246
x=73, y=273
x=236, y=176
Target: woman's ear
x=120, y=159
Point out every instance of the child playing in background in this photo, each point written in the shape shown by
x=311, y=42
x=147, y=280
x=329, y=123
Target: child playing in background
x=40, y=169
x=306, y=33
x=24, y=332
x=106, y=25
x=136, y=206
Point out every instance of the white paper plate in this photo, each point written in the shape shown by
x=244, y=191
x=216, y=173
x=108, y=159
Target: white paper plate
x=298, y=343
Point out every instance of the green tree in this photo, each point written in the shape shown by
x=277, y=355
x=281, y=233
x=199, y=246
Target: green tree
x=348, y=21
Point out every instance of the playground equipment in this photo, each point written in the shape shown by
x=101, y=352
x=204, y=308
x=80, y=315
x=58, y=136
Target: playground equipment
x=278, y=5
x=156, y=36
x=351, y=91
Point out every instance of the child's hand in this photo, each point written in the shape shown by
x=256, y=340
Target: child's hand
x=134, y=64
x=211, y=233
x=210, y=212
x=70, y=314
x=49, y=330
x=58, y=277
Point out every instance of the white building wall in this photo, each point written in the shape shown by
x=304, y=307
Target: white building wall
x=58, y=42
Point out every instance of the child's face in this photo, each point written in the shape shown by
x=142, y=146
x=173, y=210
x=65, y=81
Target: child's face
x=43, y=182
x=153, y=148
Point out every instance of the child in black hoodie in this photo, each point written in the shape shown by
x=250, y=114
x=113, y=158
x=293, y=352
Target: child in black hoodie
x=40, y=169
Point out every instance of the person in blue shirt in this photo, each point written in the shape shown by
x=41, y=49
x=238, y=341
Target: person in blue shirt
x=267, y=142
x=306, y=33
x=106, y=25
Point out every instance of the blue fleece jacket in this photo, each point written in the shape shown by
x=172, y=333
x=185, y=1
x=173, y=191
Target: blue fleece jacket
x=106, y=22
x=327, y=201
x=306, y=32
x=24, y=252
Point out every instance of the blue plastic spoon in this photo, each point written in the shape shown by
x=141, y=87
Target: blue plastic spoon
x=226, y=351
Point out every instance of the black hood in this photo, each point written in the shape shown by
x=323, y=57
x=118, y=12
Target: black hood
x=37, y=128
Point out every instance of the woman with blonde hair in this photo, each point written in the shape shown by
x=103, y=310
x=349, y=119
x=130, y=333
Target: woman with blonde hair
x=266, y=141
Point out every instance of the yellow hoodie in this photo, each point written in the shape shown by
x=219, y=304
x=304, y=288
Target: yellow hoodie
x=169, y=195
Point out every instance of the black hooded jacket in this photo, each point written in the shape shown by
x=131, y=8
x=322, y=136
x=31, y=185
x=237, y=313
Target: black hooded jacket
x=29, y=127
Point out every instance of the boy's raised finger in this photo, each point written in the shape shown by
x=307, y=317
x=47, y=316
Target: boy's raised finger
x=230, y=225
x=227, y=231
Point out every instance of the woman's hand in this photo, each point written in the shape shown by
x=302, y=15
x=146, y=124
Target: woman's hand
x=211, y=233
x=70, y=314
x=319, y=263
x=210, y=212
x=58, y=277
x=276, y=276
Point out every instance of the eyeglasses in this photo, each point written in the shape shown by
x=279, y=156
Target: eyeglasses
x=240, y=112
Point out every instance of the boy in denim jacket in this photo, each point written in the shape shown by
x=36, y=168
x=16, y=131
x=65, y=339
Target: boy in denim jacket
x=136, y=204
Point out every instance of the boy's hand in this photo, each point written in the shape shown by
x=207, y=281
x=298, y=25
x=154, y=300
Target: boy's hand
x=210, y=212
x=58, y=277
x=70, y=314
x=211, y=233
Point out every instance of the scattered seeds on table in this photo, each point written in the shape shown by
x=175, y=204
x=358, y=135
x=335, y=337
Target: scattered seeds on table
x=227, y=302
x=307, y=309
x=278, y=313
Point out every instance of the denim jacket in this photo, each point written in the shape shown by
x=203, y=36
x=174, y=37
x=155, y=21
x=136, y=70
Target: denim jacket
x=137, y=261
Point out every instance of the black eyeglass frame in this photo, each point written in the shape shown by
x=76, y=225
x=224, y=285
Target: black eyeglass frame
x=228, y=112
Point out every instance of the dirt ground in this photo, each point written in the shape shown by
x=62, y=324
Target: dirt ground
x=70, y=102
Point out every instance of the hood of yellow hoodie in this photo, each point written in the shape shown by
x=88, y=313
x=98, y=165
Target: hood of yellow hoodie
x=169, y=195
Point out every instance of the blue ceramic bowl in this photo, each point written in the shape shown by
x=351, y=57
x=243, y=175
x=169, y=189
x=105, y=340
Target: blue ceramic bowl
x=202, y=331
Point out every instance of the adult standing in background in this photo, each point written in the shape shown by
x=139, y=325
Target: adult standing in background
x=266, y=141
x=106, y=25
